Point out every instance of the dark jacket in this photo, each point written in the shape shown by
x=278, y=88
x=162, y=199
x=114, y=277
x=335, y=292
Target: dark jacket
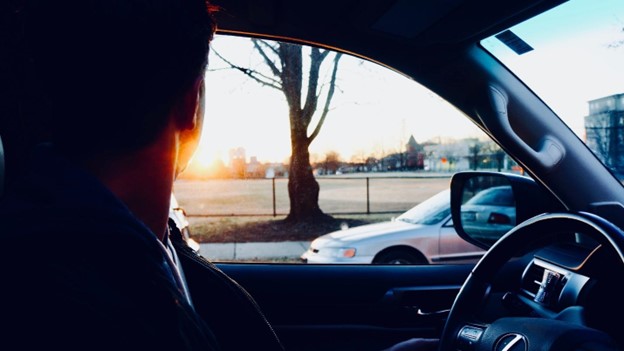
x=79, y=271
x=231, y=313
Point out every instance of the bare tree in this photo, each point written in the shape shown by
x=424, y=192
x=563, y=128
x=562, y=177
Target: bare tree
x=495, y=154
x=402, y=147
x=617, y=43
x=285, y=64
x=605, y=136
x=332, y=162
x=474, y=154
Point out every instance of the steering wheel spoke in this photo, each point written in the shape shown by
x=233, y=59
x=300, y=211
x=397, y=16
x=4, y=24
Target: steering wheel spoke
x=469, y=336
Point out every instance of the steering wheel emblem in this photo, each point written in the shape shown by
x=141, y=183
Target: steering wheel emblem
x=511, y=342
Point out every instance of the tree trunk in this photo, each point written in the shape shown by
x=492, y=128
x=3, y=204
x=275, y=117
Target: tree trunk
x=303, y=189
x=287, y=70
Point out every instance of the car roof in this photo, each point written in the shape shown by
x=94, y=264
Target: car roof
x=390, y=32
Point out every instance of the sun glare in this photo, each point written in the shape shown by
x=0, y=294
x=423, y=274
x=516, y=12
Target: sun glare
x=203, y=158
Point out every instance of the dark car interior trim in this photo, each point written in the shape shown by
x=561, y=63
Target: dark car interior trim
x=329, y=305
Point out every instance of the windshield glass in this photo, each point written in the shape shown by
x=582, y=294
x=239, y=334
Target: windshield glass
x=573, y=58
x=430, y=211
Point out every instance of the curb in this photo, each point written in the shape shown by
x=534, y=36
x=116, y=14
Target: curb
x=254, y=250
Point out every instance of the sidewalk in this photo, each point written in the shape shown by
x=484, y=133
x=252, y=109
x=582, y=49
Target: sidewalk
x=259, y=250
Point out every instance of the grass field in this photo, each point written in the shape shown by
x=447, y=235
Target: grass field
x=241, y=210
x=337, y=195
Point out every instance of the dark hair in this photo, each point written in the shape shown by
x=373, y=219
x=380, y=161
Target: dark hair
x=101, y=75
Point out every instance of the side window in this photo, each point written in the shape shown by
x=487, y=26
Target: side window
x=311, y=156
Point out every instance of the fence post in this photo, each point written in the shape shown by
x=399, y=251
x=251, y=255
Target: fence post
x=367, y=196
x=274, y=211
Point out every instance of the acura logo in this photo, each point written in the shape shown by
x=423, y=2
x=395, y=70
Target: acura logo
x=511, y=342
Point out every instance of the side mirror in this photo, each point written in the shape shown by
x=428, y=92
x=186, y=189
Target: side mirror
x=486, y=205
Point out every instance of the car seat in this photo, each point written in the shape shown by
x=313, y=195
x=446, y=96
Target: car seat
x=228, y=309
x=1, y=168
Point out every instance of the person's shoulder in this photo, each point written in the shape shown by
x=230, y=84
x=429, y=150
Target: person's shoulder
x=85, y=279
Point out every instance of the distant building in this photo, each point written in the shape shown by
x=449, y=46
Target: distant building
x=447, y=157
x=414, y=155
x=413, y=158
x=238, y=162
x=604, y=131
x=254, y=169
x=276, y=170
x=237, y=154
x=392, y=162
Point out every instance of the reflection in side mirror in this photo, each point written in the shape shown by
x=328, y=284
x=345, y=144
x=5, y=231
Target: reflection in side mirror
x=486, y=205
x=488, y=208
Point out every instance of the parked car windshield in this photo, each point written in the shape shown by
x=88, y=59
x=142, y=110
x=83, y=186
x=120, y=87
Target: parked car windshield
x=573, y=58
x=431, y=211
x=498, y=196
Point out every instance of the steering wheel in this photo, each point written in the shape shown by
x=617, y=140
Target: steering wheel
x=465, y=331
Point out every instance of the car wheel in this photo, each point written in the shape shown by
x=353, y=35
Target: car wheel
x=400, y=256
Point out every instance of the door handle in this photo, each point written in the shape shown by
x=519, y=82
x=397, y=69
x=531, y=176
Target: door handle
x=439, y=313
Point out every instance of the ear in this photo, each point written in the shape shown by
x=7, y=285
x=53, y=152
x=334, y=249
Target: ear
x=186, y=109
x=190, y=128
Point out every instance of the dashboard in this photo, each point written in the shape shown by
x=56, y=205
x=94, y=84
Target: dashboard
x=573, y=282
x=553, y=282
x=555, y=278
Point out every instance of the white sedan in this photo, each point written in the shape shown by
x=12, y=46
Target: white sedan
x=422, y=235
x=490, y=213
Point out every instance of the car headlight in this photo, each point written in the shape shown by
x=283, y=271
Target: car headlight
x=338, y=252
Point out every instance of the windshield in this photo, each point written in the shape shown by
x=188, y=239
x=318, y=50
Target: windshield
x=573, y=58
x=430, y=211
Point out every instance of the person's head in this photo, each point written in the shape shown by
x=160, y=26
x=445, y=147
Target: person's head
x=101, y=76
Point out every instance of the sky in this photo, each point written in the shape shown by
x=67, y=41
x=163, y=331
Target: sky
x=375, y=110
x=573, y=60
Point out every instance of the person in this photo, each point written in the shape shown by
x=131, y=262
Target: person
x=103, y=109
x=100, y=115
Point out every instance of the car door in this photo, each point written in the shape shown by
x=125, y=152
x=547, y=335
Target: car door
x=355, y=307
x=330, y=307
x=455, y=249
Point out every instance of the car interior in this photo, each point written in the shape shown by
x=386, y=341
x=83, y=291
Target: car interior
x=371, y=307
x=549, y=283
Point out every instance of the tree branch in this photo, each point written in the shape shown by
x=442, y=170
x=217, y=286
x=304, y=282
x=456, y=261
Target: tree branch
x=276, y=72
x=268, y=46
x=324, y=54
x=255, y=75
x=330, y=95
x=264, y=76
x=292, y=62
x=311, y=101
x=616, y=44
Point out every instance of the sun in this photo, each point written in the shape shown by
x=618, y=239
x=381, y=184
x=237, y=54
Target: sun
x=203, y=158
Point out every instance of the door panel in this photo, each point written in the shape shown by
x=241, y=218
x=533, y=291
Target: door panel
x=326, y=307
